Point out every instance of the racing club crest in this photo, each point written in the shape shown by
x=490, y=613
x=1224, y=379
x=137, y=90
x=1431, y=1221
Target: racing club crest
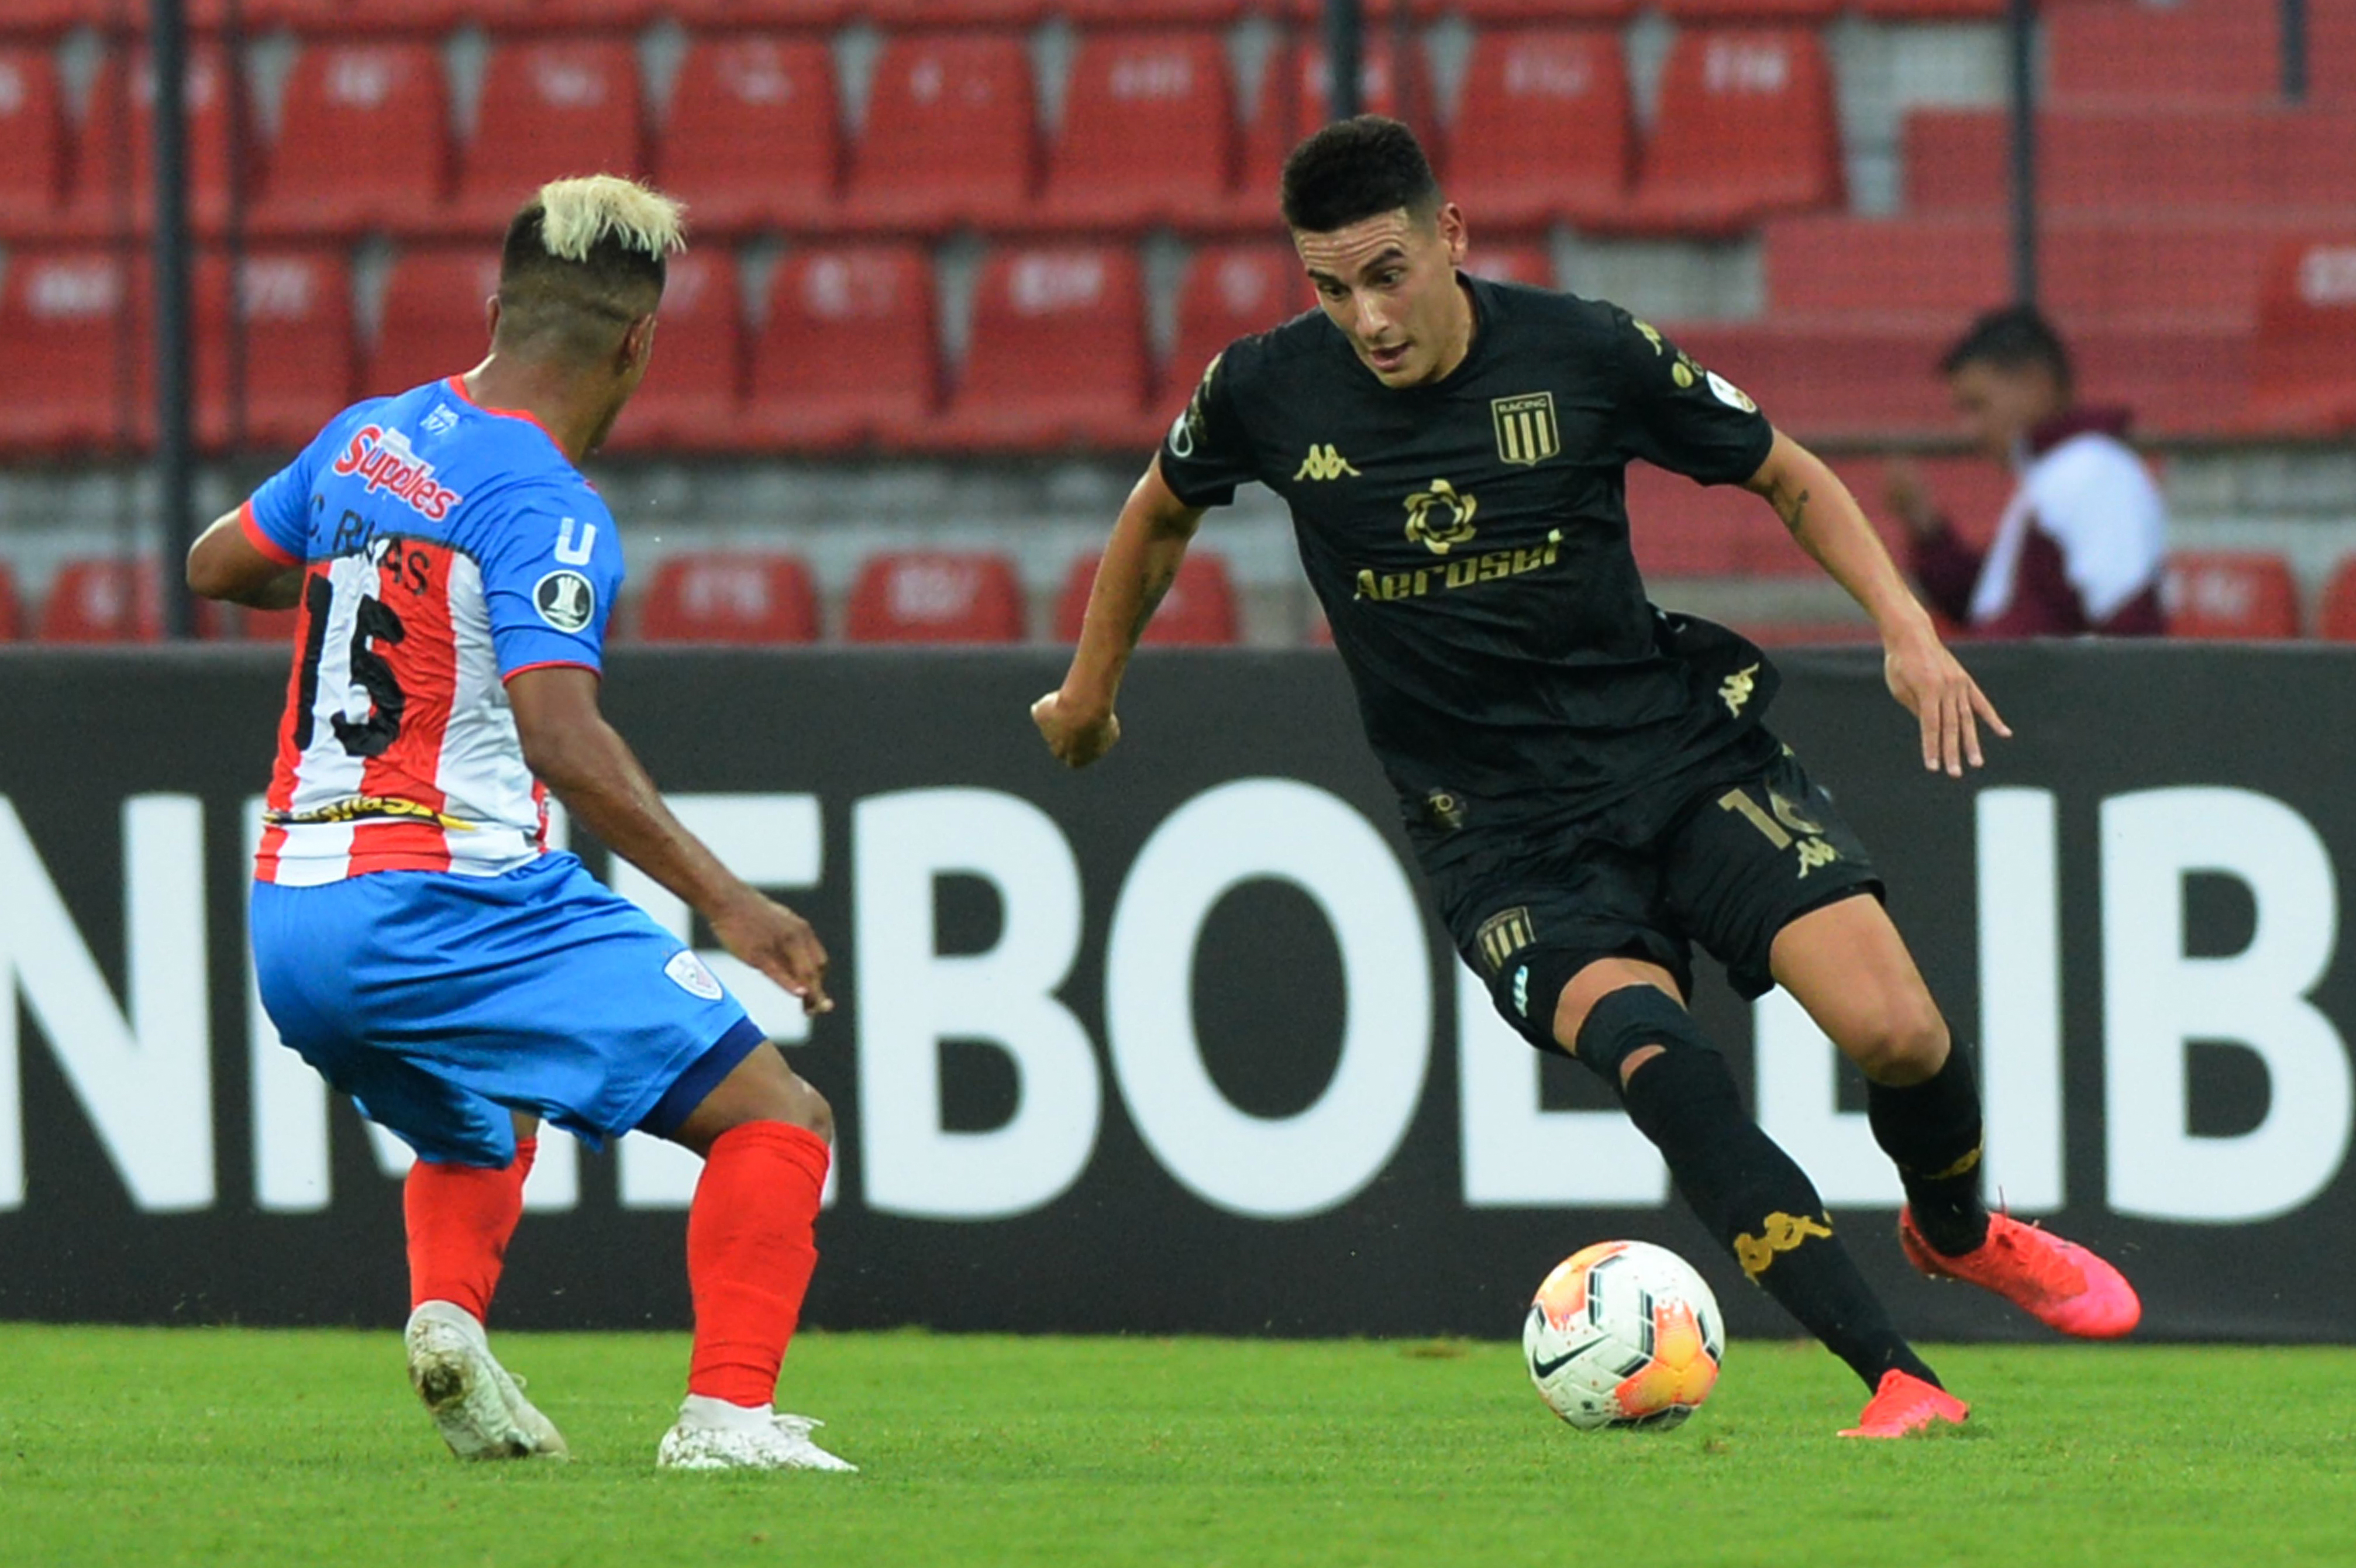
x=1526, y=432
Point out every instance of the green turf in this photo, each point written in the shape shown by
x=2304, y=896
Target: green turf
x=223, y=1447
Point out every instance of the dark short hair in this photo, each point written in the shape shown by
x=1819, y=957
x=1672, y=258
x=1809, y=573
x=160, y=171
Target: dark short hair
x=1356, y=169
x=574, y=307
x=2012, y=338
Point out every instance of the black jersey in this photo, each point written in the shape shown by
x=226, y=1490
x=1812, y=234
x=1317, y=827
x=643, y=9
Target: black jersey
x=1468, y=542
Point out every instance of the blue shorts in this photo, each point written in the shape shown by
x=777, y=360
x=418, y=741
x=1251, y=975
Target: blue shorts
x=442, y=1002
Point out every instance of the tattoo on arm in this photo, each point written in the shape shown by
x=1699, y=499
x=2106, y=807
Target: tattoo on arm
x=1794, y=512
x=1157, y=588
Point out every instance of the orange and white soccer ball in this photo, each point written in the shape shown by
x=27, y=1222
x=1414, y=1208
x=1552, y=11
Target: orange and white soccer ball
x=1623, y=1334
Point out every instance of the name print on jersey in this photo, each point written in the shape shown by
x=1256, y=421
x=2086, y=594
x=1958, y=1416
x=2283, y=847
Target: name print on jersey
x=389, y=464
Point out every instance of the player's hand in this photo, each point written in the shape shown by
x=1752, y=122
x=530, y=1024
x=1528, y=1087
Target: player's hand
x=1936, y=689
x=1906, y=495
x=1076, y=737
x=779, y=944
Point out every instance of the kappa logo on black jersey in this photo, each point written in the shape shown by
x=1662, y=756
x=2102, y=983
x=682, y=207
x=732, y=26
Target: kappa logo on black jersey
x=1526, y=432
x=1324, y=462
x=1441, y=518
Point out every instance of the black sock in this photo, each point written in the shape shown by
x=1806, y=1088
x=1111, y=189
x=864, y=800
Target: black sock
x=1932, y=1132
x=1750, y=1195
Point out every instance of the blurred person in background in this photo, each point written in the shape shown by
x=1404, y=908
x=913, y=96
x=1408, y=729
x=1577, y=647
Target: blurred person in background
x=2080, y=546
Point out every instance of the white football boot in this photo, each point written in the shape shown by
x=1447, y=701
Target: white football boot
x=712, y=1434
x=478, y=1406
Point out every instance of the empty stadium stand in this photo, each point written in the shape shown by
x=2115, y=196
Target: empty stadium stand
x=1058, y=357
x=1544, y=129
x=1230, y=292
x=2302, y=375
x=547, y=105
x=2335, y=622
x=1148, y=132
x=694, y=385
x=7, y=605
x=1198, y=611
x=1748, y=130
x=32, y=142
x=363, y=141
x=2241, y=595
x=731, y=598
x=950, y=132
x=72, y=351
x=936, y=596
x=434, y=323
x=103, y=601
x=846, y=355
x=753, y=138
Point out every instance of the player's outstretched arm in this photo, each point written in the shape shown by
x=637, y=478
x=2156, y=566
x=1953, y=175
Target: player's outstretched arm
x=1922, y=674
x=224, y=564
x=1140, y=562
x=572, y=749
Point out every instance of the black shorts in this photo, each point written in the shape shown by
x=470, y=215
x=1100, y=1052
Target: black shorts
x=1731, y=871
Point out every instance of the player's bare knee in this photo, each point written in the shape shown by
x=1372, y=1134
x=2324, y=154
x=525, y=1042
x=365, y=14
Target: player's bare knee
x=809, y=1108
x=1636, y=1059
x=1907, y=1042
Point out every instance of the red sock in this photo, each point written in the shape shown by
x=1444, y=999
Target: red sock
x=750, y=1255
x=460, y=1217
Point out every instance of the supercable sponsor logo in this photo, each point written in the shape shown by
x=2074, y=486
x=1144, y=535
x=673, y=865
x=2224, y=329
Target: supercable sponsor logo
x=387, y=461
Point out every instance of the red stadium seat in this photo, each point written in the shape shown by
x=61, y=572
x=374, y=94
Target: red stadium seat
x=753, y=137
x=693, y=389
x=2180, y=270
x=2148, y=160
x=1701, y=11
x=363, y=143
x=1148, y=132
x=32, y=143
x=950, y=137
x=847, y=352
x=1932, y=10
x=2098, y=49
x=1231, y=292
x=2337, y=623
x=903, y=13
x=730, y=599
x=7, y=605
x=1500, y=12
x=1292, y=104
x=408, y=18
x=2303, y=370
x=2244, y=594
x=114, y=185
x=1199, y=610
x=66, y=317
x=761, y=13
x=1750, y=132
x=936, y=596
x=1542, y=131
x=103, y=601
x=1527, y=261
x=434, y=323
x=1058, y=353
x=1145, y=13
x=547, y=109
x=299, y=356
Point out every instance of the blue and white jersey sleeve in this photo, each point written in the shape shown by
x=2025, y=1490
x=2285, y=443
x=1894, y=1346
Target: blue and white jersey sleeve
x=551, y=570
x=277, y=518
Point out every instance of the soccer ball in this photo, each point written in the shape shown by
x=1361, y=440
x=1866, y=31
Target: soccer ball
x=1623, y=1334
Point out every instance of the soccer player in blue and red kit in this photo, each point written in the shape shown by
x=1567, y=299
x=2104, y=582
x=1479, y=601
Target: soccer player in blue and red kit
x=416, y=940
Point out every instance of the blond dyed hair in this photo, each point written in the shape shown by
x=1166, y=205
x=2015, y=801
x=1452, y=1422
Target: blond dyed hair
x=585, y=258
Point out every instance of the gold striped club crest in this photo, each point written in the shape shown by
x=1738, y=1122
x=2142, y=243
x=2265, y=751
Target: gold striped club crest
x=1504, y=933
x=1526, y=432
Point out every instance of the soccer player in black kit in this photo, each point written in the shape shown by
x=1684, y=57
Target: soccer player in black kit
x=1588, y=783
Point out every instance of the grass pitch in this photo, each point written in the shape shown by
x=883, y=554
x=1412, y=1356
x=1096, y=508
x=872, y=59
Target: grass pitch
x=224, y=1446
